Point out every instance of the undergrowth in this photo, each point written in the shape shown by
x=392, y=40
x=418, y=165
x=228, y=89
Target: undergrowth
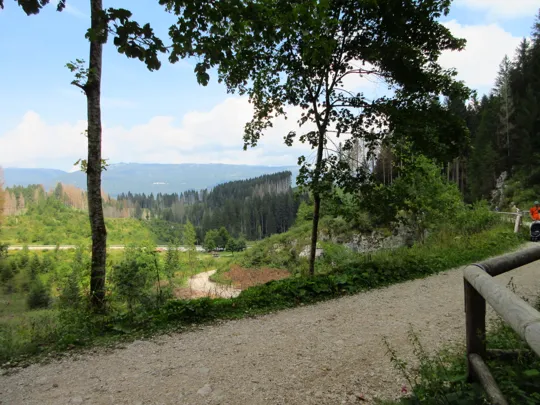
x=56, y=330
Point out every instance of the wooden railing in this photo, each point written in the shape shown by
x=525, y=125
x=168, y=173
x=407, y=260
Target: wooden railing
x=518, y=218
x=480, y=287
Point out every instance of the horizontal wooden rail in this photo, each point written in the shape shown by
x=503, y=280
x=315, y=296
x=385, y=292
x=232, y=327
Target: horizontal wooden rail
x=480, y=287
x=502, y=264
x=523, y=318
x=517, y=222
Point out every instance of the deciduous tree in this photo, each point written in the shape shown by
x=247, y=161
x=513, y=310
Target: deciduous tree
x=134, y=41
x=301, y=53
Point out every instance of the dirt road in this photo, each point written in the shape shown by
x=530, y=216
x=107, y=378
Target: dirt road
x=201, y=284
x=330, y=353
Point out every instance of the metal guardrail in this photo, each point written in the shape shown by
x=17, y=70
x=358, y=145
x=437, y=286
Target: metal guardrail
x=480, y=288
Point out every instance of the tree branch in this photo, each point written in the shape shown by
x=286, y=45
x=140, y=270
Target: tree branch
x=80, y=86
x=361, y=71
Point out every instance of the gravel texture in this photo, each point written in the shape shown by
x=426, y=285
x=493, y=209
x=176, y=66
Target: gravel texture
x=330, y=353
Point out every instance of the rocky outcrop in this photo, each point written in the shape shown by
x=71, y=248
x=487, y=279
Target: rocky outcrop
x=497, y=195
x=375, y=240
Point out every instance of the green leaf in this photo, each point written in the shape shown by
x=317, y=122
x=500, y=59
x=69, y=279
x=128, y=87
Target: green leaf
x=531, y=373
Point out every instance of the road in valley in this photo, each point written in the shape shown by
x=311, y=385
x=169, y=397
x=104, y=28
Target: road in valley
x=111, y=247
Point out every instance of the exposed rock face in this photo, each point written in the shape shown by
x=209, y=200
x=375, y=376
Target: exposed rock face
x=376, y=240
x=358, y=242
x=497, y=195
x=307, y=249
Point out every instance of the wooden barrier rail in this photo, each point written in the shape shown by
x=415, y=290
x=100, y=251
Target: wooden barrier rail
x=525, y=320
x=518, y=221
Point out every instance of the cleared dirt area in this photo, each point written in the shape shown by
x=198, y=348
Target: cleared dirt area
x=326, y=354
x=243, y=278
x=200, y=285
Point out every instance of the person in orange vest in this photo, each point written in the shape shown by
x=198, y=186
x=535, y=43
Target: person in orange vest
x=535, y=211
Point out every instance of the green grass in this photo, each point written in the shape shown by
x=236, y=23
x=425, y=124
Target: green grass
x=69, y=227
x=11, y=306
x=38, y=332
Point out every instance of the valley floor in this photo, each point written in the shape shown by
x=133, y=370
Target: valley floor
x=330, y=353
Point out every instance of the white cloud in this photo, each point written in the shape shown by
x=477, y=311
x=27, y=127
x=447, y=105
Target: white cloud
x=214, y=136
x=371, y=85
x=74, y=11
x=486, y=46
x=502, y=9
x=33, y=142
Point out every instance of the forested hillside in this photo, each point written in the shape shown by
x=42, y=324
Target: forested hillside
x=49, y=221
x=504, y=130
x=255, y=208
x=505, y=126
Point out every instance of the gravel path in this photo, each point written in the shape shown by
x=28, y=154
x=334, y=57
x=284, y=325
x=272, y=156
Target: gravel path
x=330, y=353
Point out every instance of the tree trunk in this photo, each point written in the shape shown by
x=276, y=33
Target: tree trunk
x=383, y=169
x=457, y=174
x=316, y=204
x=93, y=172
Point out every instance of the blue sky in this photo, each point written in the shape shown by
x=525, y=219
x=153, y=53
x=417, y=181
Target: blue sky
x=165, y=116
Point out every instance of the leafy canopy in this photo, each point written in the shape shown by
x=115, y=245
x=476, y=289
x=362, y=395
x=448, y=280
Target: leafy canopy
x=34, y=6
x=300, y=53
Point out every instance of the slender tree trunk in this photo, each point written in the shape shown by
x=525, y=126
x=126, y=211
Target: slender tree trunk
x=93, y=172
x=316, y=203
x=383, y=169
x=457, y=174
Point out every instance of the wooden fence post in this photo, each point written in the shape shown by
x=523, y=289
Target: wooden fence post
x=475, y=315
x=518, y=223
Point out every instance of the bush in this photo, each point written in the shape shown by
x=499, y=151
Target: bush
x=70, y=297
x=30, y=334
x=475, y=219
x=422, y=199
x=132, y=278
x=39, y=296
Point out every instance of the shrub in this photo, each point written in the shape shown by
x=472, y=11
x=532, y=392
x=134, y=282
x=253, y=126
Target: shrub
x=422, y=198
x=132, y=278
x=70, y=296
x=39, y=296
x=475, y=219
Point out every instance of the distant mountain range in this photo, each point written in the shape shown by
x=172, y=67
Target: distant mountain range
x=146, y=177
